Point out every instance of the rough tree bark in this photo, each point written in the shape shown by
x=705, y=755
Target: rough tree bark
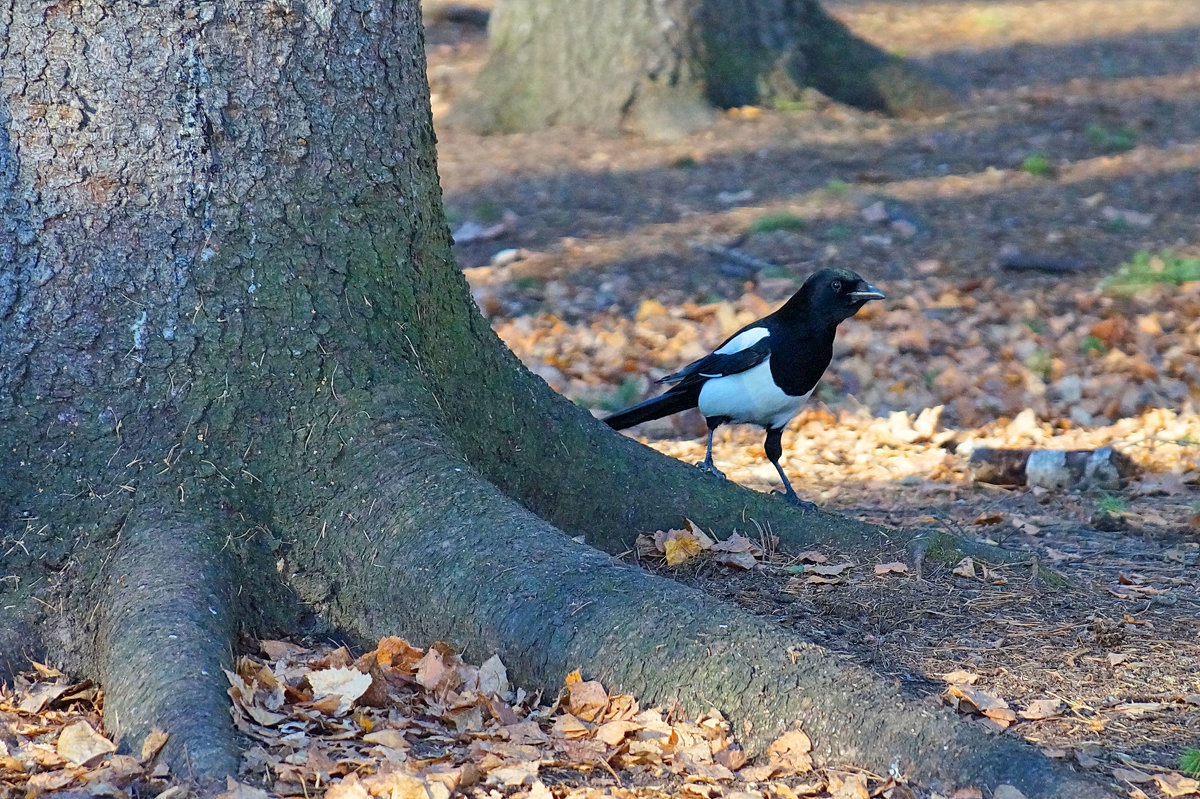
x=242, y=385
x=661, y=66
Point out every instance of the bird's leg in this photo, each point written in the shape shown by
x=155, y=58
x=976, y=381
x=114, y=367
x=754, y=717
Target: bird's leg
x=774, y=448
x=707, y=464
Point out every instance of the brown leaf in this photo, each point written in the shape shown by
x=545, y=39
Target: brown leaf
x=397, y=654
x=437, y=671
x=1001, y=715
x=736, y=543
x=790, y=751
x=1041, y=709
x=965, y=567
x=613, y=732
x=41, y=695
x=350, y=788
x=152, y=744
x=1007, y=792
x=812, y=556
x=731, y=757
x=586, y=699
x=568, y=727
x=970, y=699
x=239, y=790
x=828, y=571
x=1174, y=784
x=960, y=677
x=280, y=650
x=1130, y=775
x=895, y=566
x=80, y=745
x=493, y=677
x=848, y=786
x=740, y=560
x=48, y=781
x=392, y=739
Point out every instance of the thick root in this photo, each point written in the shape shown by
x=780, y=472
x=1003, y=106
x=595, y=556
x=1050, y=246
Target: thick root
x=165, y=631
x=427, y=549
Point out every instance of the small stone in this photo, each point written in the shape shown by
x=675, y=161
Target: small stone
x=875, y=213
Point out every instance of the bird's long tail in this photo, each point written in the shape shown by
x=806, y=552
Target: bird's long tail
x=653, y=408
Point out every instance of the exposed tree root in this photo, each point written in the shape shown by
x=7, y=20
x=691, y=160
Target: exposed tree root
x=165, y=630
x=425, y=548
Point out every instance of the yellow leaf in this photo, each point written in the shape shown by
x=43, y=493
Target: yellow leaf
x=573, y=678
x=681, y=549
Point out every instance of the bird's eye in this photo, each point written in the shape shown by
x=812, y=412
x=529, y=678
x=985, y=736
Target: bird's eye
x=837, y=286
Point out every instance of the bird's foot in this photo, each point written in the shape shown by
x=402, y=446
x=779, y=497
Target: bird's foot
x=802, y=504
x=706, y=466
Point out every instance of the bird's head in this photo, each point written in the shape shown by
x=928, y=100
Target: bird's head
x=833, y=294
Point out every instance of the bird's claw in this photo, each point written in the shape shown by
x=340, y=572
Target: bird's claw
x=710, y=469
x=803, y=504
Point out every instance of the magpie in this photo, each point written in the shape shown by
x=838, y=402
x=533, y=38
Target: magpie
x=763, y=373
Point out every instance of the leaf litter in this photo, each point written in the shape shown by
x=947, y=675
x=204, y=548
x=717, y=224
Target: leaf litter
x=400, y=721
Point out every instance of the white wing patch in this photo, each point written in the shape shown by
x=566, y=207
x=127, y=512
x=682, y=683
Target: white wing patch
x=743, y=340
x=750, y=396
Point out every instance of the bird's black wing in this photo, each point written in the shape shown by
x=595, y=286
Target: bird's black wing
x=720, y=364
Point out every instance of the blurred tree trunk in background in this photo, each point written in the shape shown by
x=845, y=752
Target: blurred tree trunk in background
x=661, y=66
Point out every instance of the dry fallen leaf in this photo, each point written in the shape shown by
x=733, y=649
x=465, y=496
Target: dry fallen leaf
x=1041, y=709
x=828, y=571
x=790, y=752
x=348, y=788
x=239, y=790
x=152, y=744
x=80, y=745
x=1174, y=784
x=975, y=700
x=346, y=684
x=586, y=699
x=1007, y=792
x=965, y=567
x=1130, y=775
x=895, y=566
x=680, y=549
x=960, y=677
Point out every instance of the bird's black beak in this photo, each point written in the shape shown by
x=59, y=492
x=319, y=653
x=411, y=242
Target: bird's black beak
x=868, y=292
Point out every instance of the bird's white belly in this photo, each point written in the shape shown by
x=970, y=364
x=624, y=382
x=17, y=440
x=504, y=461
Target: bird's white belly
x=750, y=396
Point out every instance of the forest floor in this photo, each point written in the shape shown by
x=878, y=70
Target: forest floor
x=1040, y=250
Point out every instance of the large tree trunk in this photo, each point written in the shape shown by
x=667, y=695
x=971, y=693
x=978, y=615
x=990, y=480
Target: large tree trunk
x=661, y=66
x=242, y=384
